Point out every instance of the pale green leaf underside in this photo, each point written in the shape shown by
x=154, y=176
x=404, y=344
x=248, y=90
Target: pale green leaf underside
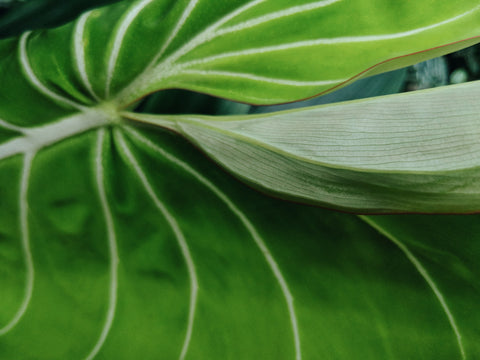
x=122, y=244
x=416, y=152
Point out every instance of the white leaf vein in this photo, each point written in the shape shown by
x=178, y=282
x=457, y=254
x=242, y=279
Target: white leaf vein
x=37, y=138
x=25, y=236
x=264, y=79
x=8, y=126
x=426, y=276
x=260, y=243
x=185, y=15
x=294, y=10
x=210, y=32
x=37, y=84
x=165, y=68
x=79, y=49
x=182, y=242
x=170, y=66
x=125, y=23
x=112, y=246
x=325, y=41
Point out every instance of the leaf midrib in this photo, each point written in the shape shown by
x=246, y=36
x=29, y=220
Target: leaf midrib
x=34, y=139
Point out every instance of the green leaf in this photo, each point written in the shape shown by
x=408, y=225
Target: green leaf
x=391, y=82
x=118, y=242
x=415, y=152
x=131, y=247
x=243, y=50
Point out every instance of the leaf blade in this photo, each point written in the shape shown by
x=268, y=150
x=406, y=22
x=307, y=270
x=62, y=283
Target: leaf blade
x=246, y=45
x=396, y=153
x=219, y=71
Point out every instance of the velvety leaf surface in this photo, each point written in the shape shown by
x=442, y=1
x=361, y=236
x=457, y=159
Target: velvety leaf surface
x=119, y=241
x=199, y=254
x=243, y=50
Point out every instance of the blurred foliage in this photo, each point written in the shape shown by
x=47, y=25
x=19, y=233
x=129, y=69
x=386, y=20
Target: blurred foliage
x=17, y=16
x=179, y=101
x=467, y=60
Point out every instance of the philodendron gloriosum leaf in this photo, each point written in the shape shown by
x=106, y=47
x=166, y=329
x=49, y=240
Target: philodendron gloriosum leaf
x=119, y=243
x=243, y=50
x=415, y=152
